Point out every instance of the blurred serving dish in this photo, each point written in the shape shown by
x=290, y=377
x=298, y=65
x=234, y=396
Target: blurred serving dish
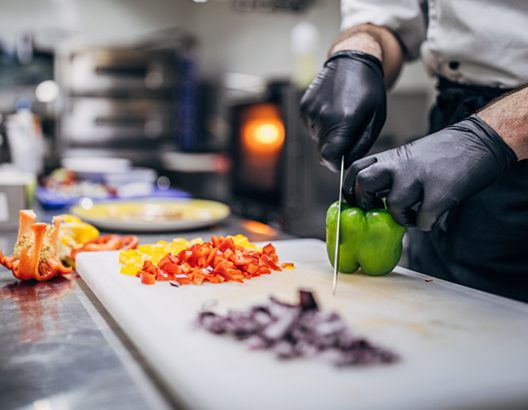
x=95, y=168
x=153, y=215
x=64, y=187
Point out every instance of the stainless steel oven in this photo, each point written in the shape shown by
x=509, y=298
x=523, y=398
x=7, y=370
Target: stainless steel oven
x=120, y=101
x=117, y=123
x=119, y=71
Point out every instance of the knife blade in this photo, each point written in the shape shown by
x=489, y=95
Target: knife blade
x=338, y=225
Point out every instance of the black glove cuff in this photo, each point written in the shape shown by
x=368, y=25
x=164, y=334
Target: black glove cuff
x=361, y=56
x=502, y=151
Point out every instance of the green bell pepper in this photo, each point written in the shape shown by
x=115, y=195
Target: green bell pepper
x=371, y=240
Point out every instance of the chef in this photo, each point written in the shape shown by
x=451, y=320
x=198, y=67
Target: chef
x=462, y=190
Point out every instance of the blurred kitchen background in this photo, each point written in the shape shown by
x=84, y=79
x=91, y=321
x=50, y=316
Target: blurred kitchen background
x=175, y=98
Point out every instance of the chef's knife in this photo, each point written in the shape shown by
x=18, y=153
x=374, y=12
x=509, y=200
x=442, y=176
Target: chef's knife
x=338, y=225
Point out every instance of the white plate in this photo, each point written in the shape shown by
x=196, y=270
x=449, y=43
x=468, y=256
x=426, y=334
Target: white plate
x=95, y=168
x=153, y=215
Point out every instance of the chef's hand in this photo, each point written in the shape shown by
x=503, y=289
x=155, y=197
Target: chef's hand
x=345, y=106
x=425, y=178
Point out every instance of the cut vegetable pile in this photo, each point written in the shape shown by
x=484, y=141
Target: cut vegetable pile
x=223, y=259
x=297, y=330
x=77, y=236
x=43, y=251
x=36, y=252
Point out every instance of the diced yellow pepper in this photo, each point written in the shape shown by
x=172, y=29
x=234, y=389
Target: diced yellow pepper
x=132, y=260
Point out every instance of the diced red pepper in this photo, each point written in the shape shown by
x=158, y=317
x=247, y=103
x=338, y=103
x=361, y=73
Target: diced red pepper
x=147, y=278
x=227, y=243
x=217, y=261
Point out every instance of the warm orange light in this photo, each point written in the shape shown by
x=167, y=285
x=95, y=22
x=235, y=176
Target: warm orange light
x=268, y=133
x=262, y=129
x=259, y=228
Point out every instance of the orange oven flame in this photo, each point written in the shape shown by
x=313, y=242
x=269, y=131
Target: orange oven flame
x=263, y=129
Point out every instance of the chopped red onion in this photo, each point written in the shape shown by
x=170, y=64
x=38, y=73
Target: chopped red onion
x=300, y=330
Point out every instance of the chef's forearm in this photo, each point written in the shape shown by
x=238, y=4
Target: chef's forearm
x=375, y=40
x=508, y=116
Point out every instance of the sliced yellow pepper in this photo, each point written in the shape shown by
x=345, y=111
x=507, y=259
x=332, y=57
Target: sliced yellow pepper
x=74, y=232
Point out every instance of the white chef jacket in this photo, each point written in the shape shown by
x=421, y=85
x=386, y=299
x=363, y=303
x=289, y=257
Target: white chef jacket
x=482, y=42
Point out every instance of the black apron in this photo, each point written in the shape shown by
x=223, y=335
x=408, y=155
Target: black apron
x=483, y=242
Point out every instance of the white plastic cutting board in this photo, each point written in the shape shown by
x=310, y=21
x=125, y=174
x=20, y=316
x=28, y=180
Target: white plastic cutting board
x=459, y=348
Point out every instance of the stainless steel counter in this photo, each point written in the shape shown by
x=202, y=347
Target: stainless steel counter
x=59, y=349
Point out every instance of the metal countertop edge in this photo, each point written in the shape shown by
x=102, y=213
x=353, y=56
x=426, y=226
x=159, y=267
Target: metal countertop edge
x=146, y=378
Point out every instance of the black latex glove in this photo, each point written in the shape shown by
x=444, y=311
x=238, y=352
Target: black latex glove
x=425, y=178
x=345, y=106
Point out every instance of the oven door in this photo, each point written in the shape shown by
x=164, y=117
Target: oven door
x=120, y=70
x=257, y=153
x=106, y=122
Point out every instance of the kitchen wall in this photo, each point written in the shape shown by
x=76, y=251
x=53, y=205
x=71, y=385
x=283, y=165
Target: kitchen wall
x=60, y=22
x=259, y=43
x=255, y=43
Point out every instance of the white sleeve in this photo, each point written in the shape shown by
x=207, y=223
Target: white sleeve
x=405, y=18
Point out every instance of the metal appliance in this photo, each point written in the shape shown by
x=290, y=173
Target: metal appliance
x=120, y=101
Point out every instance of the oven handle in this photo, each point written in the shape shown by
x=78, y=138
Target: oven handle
x=119, y=71
x=119, y=121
